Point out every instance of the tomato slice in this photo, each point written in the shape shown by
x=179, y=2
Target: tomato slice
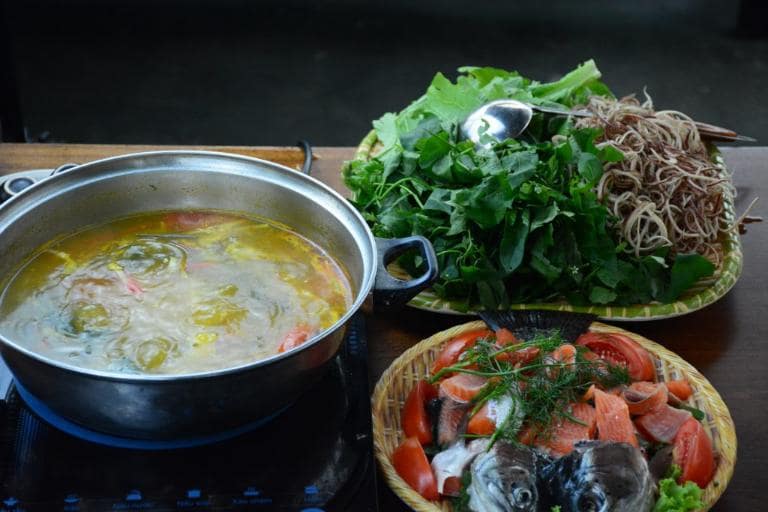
x=453, y=350
x=618, y=349
x=295, y=337
x=693, y=453
x=412, y=465
x=452, y=486
x=415, y=417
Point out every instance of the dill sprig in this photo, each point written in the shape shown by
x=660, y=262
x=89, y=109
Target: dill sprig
x=541, y=389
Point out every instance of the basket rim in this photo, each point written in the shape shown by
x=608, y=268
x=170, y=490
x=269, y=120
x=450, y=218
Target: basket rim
x=711, y=289
x=717, y=409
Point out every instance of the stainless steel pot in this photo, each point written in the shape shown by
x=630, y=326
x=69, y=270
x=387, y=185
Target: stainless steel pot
x=172, y=407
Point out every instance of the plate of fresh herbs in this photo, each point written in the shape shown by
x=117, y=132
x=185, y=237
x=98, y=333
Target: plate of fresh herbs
x=628, y=215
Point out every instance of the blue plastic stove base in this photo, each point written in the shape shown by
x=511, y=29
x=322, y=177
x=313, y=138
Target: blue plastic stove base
x=49, y=416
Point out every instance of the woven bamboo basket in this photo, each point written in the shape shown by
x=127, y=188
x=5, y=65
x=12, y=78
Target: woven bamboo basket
x=702, y=294
x=413, y=365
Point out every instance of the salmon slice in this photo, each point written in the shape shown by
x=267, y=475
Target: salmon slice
x=566, y=432
x=662, y=424
x=482, y=423
x=493, y=413
x=462, y=386
x=613, y=421
x=452, y=420
x=644, y=397
x=565, y=353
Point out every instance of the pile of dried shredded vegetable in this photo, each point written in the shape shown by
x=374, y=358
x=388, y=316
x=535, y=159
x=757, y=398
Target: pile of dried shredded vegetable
x=667, y=191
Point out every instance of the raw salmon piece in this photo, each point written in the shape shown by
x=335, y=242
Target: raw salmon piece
x=662, y=424
x=565, y=432
x=492, y=414
x=462, y=386
x=482, y=424
x=613, y=421
x=644, y=397
x=452, y=420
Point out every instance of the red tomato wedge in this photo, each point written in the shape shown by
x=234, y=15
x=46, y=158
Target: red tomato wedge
x=565, y=432
x=618, y=349
x=412, y=465
x=453, y=350
x=613, y=422
x=505, y=337
x=662, y=424
x=452, y=486
x=680, y=388
x=415, y=418
x=295, y=337
x=643, y=397
x=462, y=387
x=693, y=453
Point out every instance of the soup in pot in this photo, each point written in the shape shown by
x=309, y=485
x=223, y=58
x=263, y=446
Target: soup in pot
x=173, y=292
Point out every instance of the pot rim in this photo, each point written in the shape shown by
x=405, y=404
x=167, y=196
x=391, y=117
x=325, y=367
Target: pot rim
x=363, y=292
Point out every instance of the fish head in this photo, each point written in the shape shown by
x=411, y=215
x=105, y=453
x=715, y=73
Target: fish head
x=504, y=480
x=605, y=477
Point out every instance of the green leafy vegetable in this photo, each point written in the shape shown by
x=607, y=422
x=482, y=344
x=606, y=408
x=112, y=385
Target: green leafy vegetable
x=519, y=222
x=674, y=497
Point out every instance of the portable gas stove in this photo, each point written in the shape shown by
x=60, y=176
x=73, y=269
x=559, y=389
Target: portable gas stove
x=315, y=456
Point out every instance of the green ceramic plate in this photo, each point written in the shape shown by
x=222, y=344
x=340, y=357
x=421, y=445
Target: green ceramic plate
x=702, y=294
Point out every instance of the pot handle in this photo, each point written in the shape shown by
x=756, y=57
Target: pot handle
x=391, y=292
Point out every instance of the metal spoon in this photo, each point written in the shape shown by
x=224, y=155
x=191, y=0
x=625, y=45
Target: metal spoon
x=505, y=119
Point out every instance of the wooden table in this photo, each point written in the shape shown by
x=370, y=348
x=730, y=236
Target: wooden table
x=727, y=341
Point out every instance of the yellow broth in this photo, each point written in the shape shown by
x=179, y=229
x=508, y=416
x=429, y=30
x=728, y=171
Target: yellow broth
x=173, y=292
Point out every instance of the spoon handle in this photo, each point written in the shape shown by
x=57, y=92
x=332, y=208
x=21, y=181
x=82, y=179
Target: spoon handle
x=562, y=111
x=713, y=132
x=706, y=130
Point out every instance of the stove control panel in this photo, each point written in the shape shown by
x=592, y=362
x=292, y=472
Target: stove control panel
x=251, y=499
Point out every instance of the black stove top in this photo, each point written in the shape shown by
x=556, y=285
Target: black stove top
x=315, y=456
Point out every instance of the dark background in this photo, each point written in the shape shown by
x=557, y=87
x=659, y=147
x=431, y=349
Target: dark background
x=269, y=72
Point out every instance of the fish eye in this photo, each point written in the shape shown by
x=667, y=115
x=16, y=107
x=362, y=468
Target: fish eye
x=522, y=496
